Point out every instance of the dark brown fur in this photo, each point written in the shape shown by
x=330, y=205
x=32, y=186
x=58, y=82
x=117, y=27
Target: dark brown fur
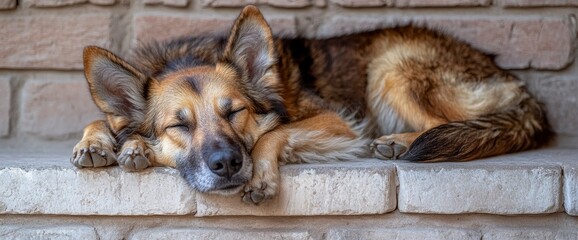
x=250, y=101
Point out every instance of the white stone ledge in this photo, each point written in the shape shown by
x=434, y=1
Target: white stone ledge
x=522, y=183
x=535, y=182
x=16, y=232
x=341, y=189
x=403, y=233
x=217, y=234
x=48, y=184
x=52, y=189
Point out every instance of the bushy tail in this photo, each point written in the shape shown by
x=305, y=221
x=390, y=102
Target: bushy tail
x=518, y=129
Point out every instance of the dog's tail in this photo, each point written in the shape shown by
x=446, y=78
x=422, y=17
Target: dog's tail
x=521, y=128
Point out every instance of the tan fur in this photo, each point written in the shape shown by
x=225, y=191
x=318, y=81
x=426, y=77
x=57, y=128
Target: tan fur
x=228, y=112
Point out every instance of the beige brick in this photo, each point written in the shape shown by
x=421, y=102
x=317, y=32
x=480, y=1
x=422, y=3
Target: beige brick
x=56, y=108
x=571, y=189
x=403, y=233
x=9, y=232
x=362, y=3
x=225, y=234
x=537, y=3
x=161, y=27
x=440, y=3
x=500, y=185
x=337, y=189
x=34, y=183
x=5, y=100
x=533, y=233
x=560, y=99
x=51, y=41
x=7, y=4
x=61, y=3
x=275, y=3
x=172, y=3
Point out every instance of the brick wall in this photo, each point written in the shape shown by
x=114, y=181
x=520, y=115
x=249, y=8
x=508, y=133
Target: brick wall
x=43, y=94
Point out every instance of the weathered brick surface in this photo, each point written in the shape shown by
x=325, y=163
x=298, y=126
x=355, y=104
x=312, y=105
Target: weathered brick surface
x=275, y=3
x=61, y=3
x=56, y=108
x=349, y=189
x=536, y=3
x=362, y=3
x=571, y=189
x=161, y=27
x=525, y=233
x=501, y=187
x=560, y=99
x=7, y=4
x=172, y=3
x=16, y=232
x=48, y=184
x=542, y=43
x=441, y=3
x=403, y=234
x=51, y=41
x=217, y=234
x=5, y=100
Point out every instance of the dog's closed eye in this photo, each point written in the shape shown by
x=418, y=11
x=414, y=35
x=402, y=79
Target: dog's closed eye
x=179, y=126
x=231, y=115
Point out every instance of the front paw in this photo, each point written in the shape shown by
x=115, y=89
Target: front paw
x=92, y=153
x=258, y=190
x=135, y=156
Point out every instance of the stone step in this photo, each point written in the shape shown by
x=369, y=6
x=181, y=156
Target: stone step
x=533, y=182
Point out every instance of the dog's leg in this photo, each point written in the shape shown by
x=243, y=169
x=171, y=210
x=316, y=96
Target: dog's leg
x=135, y=155
x=324, y=137
x=265, y=181
x=96, y=148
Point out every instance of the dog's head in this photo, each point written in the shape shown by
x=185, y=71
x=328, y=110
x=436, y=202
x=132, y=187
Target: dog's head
x=203, y=120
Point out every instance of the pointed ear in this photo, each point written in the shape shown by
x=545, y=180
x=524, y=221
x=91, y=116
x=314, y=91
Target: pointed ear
x=116, y=87
x=250, y=47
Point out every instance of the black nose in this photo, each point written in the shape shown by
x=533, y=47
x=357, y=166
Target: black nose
x=225, y=163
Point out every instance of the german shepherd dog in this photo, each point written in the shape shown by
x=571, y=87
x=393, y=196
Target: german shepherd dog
x=226, y=112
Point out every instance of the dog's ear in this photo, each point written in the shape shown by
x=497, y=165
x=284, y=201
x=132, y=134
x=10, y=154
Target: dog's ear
x=250, y=48
x=116, y=87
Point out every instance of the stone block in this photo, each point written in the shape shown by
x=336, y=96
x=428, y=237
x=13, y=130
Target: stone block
x=41, y=41
x=161, y=27
x=17, y=232
x=52, y=186
x=171, y=3
x=343, y=189
x=441, y=3
x=536, y=3
x=362, y=3
x=217, y=234
x=56, y=108
x=62, y=3
x=501, y=187
x=8, y=4
x=571, y=190
x=5, y=102
x=403, y=233
x=534, y=233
